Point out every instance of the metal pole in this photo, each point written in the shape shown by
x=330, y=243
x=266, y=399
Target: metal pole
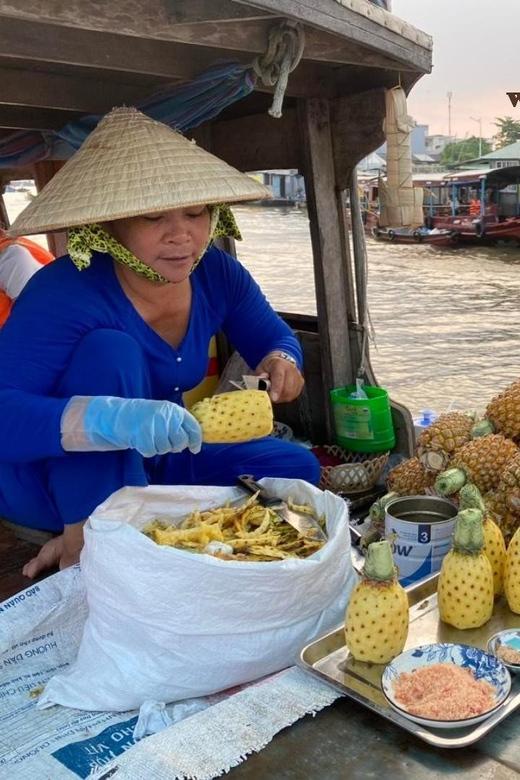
x=449, y=96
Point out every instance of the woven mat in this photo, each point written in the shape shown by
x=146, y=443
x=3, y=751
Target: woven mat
x=211, y=742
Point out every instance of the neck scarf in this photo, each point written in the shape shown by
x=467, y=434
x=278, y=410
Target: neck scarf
x=83, y=240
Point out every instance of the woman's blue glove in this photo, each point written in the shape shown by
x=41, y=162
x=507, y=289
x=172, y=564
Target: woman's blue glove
x=103, y=423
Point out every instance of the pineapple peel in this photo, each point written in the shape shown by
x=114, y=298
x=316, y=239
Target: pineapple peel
x=234, y=417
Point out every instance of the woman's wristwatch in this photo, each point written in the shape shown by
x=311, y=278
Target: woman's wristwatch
x=283, y=356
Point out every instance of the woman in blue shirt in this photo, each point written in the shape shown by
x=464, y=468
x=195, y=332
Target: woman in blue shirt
x=93, y=364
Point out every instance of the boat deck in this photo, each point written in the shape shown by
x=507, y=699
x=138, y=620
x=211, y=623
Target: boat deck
x=14, y=553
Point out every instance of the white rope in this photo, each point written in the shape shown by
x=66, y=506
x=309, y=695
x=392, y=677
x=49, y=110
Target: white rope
x=284, y=51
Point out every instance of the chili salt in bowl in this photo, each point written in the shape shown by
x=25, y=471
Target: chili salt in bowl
x=484, y=666
x=508, y=639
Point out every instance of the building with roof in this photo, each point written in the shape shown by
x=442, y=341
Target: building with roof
x=506, y=157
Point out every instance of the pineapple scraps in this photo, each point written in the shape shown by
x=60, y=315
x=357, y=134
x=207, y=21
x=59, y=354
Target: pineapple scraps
x=254, y=532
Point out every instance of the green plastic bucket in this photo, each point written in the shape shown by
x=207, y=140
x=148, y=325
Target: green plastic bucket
x=363, y=424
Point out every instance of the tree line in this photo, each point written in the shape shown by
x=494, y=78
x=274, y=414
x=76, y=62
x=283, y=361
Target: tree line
x=507, y=133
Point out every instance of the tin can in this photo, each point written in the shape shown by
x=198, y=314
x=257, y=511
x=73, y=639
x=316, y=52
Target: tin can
x=419, y=529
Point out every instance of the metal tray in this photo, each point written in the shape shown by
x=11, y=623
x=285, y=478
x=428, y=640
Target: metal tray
x=329, y=659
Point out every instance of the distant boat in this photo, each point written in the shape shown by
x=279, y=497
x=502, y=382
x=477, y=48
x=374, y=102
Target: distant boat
x=470, y=207
x=435, y=237
x=481, y=206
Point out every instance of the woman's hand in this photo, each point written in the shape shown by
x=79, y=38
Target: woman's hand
x=62, y=551
x=286, y=379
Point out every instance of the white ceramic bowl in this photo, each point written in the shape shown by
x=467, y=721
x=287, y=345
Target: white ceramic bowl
x=509, y=637
x=483, y=665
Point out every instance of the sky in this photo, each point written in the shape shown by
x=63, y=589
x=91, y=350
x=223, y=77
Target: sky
x=476, y=57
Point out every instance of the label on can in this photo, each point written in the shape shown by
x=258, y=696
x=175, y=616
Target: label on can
x=418, y=549
x=353, y=422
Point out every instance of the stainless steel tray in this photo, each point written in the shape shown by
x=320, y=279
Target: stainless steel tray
x=329, y=659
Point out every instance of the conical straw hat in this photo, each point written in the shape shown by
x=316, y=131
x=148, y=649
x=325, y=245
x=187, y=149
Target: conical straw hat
x=130, y=165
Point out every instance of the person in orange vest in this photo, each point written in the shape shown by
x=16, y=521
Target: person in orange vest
x=474, y=207
x=20, y=258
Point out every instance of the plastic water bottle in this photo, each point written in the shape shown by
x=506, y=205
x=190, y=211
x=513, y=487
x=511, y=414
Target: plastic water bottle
x=359, y=392
x=420, y=423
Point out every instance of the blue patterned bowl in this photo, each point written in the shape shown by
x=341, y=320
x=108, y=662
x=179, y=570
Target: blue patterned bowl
x=483, y=665
x=509, y=638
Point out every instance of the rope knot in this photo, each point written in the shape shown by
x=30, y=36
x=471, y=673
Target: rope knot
x=284, y=51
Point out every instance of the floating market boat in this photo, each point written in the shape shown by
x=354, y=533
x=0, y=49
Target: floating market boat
x=480, y=206
x=337, y=58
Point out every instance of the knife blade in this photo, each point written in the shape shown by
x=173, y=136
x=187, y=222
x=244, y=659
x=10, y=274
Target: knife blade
x=304, y=524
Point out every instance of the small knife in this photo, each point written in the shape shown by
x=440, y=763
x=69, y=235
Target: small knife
x=304, y=524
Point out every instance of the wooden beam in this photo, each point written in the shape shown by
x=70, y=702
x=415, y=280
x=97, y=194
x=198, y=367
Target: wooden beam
x=327, y=223
x=257, y=142
x=29, y=42
x=49, y=90
x=28, y=118
x=330, y=16
x=42, y=42
x=150, y=19
x=358, y=121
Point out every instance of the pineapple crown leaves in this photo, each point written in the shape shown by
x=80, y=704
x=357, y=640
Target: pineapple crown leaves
x=468, y=537
x=450, y=481
x=379, y=564
x=482, y=428
x=377, y=510
x=470, y=498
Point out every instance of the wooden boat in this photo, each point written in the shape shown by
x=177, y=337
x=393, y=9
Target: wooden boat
x=433, y=237
x=88, y=56
x=481, y=206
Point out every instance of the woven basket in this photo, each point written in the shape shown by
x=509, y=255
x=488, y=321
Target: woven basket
x=356, y=474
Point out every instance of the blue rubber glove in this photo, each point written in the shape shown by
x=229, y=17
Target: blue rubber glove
x=103, y=423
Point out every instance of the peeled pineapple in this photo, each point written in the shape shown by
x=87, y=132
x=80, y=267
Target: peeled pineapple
x=512, y=574
x=465, y=589
x=494, y=544
x=480, y=462
x=410, y=478
x=507, y=519
x=376, y=624
x=234, y=417
x=442, y=438
x=502, y=414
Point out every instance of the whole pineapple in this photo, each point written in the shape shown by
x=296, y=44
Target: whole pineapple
x=507, y=519
x=494, y=544
x=410, y=478
x=512, y=573
x=442, y=438
x=502, y=414
x=509, y=485
x=465, y=589
x=480, y=462
x=234, y=417
x=376, y=624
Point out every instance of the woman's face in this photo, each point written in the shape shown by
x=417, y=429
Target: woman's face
x=168, y=242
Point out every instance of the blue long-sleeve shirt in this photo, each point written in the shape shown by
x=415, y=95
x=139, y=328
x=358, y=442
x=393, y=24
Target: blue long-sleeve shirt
x=60, y=305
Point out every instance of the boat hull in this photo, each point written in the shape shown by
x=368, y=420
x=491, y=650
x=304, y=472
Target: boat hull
x=477, y=232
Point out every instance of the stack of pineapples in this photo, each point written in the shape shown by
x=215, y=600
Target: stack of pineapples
x=455, y=450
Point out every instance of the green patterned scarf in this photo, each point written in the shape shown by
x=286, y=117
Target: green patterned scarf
x=83, y=240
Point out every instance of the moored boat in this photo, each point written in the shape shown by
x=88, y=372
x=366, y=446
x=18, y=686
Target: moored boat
x=434, y=237
x=481, y=206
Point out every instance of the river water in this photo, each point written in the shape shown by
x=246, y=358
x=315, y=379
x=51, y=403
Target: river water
x=446, y=321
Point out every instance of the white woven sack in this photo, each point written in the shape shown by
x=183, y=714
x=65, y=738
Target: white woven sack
x=165, y=624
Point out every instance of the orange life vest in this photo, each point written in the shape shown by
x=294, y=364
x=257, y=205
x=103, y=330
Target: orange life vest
x=41, y=256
